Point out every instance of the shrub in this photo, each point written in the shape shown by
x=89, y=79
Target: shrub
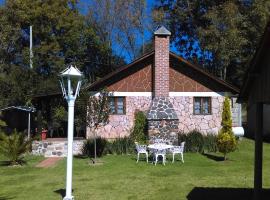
x=123, y=145
x=210, y=143
x=139, y=132
x=198, y=142
x=89, y=147
x=194, y=141
x=14, y=146
x=226, y=143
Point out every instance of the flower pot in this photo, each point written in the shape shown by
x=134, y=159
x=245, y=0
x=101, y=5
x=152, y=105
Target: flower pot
x=44, y=134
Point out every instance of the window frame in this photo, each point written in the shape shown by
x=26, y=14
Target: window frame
x=116, y=105
x=201, y=105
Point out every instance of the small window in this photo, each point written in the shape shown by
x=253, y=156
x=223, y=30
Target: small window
x=202, y=105
x=117, y=105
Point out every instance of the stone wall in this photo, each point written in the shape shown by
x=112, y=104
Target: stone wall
x=55, y=148
x=183, y=106
x=121, y=125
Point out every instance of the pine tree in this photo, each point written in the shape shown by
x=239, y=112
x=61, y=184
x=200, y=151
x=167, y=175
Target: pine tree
x=226, y=140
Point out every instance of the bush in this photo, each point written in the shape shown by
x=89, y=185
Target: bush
x=14, y=146
x=198, y=142
x=210, y=143
x=119, y=146
x=226, y=143
x=88, y=148
x=139, y=132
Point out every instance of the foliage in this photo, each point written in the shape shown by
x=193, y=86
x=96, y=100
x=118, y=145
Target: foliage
x=226, y=143
x=89, y=147
x=226, y=121
x=14, y=146
x=139, y=132
x=195, y=141
x=121, y=23
x=120, y=146
x=2, y=122
x=61, y=35
x=97, y=112
x=210, y=142
x=222, y=36
x=226, y=140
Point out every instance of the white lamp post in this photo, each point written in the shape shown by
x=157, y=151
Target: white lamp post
x=70, y=84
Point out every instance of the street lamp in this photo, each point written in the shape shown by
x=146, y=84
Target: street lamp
x=70, y=84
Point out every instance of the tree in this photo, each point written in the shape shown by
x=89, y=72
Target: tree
x=226, y=140
x=97, y=113
x=61, y=35
x=121, y=23
x=223, y=34
x=14, y=147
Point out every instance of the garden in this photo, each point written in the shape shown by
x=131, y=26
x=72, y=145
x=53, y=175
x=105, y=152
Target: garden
x=120, y=177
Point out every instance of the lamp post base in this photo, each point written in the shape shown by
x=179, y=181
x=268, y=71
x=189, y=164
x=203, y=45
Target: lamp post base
x=69, y=198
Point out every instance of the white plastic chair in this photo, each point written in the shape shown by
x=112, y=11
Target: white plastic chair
x=161, y=153
x=141, y=149
x=178, y=150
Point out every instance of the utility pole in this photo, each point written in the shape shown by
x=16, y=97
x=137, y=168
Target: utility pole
x=30, y=49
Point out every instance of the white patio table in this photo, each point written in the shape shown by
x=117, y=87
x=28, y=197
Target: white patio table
x=159, y=149
x=160, y=146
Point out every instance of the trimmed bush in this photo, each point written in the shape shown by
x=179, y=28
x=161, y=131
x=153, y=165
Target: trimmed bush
x=88, y=148
x=139, y=132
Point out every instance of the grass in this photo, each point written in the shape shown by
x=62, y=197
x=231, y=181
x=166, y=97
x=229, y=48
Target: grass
x=121, y=178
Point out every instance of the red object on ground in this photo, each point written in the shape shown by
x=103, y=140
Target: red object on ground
x=44, y=134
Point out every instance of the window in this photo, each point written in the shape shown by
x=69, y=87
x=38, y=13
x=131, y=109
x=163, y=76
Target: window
x=202, y=105
x=117, y=105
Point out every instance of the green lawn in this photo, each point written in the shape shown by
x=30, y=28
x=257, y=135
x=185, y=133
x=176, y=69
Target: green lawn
x=121, y=178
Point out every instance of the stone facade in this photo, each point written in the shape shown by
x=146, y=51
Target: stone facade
x=55, y=148
x=120, y=125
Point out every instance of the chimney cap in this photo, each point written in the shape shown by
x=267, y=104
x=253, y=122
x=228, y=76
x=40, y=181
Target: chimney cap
x=162, y=31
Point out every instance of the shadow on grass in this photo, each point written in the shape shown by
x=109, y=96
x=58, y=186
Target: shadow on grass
x=61, y=192
x=5, y=197
x=213, y=157
x=199, y=193
x=3, y=164
x=81, y=156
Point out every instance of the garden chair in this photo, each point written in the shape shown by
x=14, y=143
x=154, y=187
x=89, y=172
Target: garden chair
x=141, y=149
x=161, y=153
x=178, y=150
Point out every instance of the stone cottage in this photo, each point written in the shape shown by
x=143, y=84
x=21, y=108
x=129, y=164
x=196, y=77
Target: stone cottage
x=175, y=94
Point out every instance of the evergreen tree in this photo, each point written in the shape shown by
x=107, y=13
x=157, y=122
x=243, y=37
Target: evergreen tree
x=226, y=141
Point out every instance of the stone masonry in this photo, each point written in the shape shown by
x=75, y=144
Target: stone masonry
x=55, y=148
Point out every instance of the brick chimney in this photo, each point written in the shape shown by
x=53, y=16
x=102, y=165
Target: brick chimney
x=161, y=75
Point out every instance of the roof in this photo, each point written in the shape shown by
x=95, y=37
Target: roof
x=147, y=56
x=22, y=108
x=71, y=71
x=162, y=31
x=118, y=71
x=254, y=66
